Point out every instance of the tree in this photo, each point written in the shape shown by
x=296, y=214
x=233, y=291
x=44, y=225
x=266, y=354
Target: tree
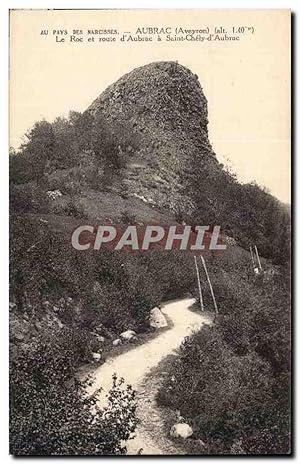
x=40, y=147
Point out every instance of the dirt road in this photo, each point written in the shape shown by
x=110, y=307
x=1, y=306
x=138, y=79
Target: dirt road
x=134, y=366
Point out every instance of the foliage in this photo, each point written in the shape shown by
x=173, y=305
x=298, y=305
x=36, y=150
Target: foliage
x=74, y=209
x=52, y=412
x=245, y=211
x=231, y=379
x=127, y=217
x=118, y=289
x=51, y=146
x=28, y=198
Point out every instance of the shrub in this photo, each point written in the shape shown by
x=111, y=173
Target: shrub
x=52, y=413
x=231, y=379
x=75, y=209
x=28, y=198
x=127, y=217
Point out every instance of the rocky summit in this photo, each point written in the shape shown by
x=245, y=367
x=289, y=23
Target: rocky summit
x=160, y=113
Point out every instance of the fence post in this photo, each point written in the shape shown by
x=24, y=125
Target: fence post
x=257, y=255
x=199, y=284
x=252, y=257
x=210, y=285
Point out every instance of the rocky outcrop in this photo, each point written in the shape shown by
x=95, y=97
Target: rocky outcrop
x=158, y=113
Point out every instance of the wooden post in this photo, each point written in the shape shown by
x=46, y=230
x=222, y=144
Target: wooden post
x=258, y=260
x=210, y=285
x=252, y=257
x=199, y=284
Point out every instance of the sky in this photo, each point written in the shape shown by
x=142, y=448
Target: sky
x=246, y=82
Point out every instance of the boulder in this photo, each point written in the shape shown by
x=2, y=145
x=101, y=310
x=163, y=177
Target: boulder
x=128, y=335
x=96, y=357
x=157, y=319
x=117, y=342
x=181, y=431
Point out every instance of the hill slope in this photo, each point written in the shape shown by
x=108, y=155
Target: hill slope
x=143, y=146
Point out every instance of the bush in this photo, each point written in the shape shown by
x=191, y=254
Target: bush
x=231, y=379
x=52, y=413
x=127, y=217
x=75, y=209
x=28, y=198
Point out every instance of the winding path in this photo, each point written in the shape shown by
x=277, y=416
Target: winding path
x=135, y=364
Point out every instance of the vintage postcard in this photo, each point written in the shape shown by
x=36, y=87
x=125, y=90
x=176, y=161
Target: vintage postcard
x=150, y=214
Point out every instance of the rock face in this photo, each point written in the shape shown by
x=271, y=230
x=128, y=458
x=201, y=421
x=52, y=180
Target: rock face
x=157, y=319
x=158, y=112
x=181, y=431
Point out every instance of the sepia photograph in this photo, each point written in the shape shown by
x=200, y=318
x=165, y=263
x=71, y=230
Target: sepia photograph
x=150, y=232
